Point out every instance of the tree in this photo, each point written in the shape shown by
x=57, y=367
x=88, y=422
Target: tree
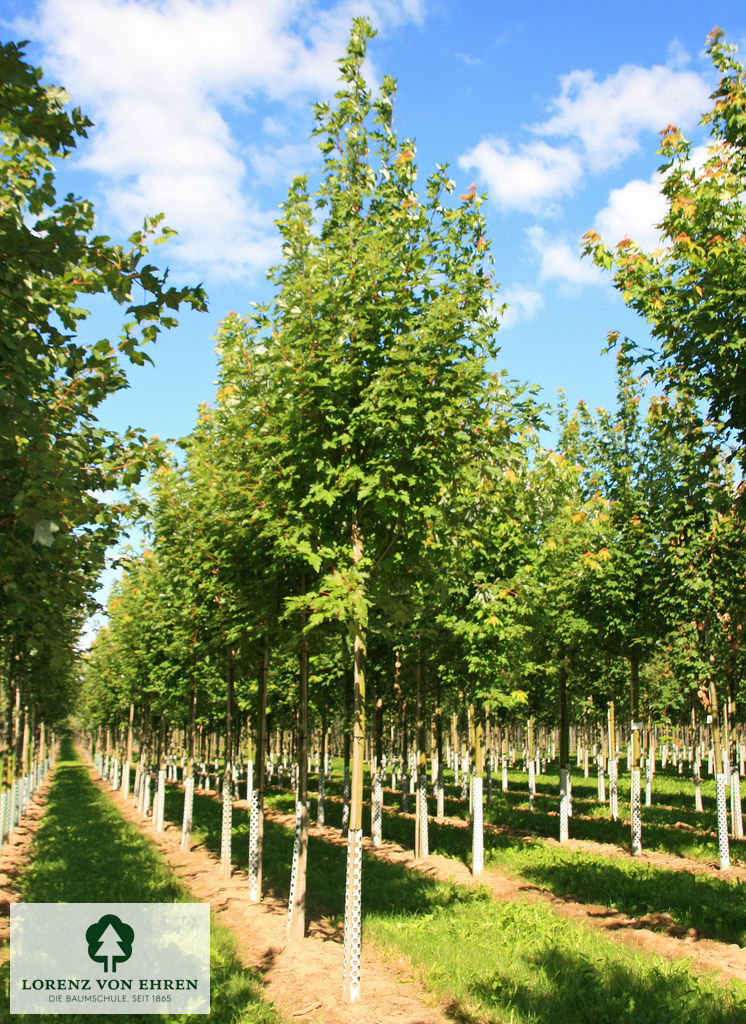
x=692, y=291
x=56, y=463
x=375, y=346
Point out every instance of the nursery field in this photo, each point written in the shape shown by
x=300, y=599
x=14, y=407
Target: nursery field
x=519, y=959
x=84, y=852
x=524, y=944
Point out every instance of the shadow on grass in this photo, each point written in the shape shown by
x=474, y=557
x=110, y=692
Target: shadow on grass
x=714, y=906
x=84, y=852
x=570, y=987
x=388, y=888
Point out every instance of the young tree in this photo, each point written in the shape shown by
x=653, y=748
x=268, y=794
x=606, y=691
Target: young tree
x=691, y=291
x=375, y=347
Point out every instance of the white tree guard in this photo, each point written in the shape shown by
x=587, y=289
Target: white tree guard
x=377, y=810
x=254, y=893
x=601, y=782
x=186, y=823
x=294, y=866
x=697, y=787
x=464, y=783
x=320, y=811
x=225, y=833
x=441, y=796
x=405, y=793
x=424, y=834
x=146, y=797
x=161, y=799
x=648, y=783
x=531, y=784
x=249, y=781
x=125, y=787
x=564, y=805
x=353, y=918
x=346, y=801
x=455, y=768
x=477, y=830
x=723, y=845
x=505, y=773
x=735, y=799
x=614, y=788
x=636, y=812
x=488, y=776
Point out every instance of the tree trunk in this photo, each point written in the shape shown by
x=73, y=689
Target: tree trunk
x=225, y=837
x=635, y=801
x=256, y=824
x=297, y=901
x=564, y=757
x=421, y=840
x=477, y=817
x=352, y=920
x=722, y=809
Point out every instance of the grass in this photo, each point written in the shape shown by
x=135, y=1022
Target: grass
x=489, y=961
x=715, y=906
x=85, y=852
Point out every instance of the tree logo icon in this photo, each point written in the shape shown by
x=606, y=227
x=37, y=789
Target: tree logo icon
x=109, y=942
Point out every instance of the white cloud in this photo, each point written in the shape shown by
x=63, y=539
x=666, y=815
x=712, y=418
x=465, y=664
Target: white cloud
x=598, y=124
x=531, y=176
x=608, y=116
x=156, y=75
x=560, y=261
x=280, y=163
x=632, y=212
x=522, y=304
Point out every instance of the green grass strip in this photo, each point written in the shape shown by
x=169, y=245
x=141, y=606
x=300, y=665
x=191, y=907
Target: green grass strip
x=715, y=906
x=516, y=962
x=673, y=805
x=84, y=852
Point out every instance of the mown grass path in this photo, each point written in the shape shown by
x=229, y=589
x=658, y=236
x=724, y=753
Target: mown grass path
x=84, y=852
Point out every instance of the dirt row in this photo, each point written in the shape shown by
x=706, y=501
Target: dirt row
x=15, y=856
x=724, y=959
x=303, y=979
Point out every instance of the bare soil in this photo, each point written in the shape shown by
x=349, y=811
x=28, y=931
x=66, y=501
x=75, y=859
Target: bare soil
x=15, y=855
x=303, y=979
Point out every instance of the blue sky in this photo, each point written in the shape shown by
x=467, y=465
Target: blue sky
x=203, y=110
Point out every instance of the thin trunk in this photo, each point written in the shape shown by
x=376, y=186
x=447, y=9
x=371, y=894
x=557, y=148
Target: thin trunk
x=635, y=801
x=352, y=922
x=256, y=827
x=297, y=922
x=564, y=757
x=477, y=819
x=421, y=843
x=225, y=840
x=439, y=749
